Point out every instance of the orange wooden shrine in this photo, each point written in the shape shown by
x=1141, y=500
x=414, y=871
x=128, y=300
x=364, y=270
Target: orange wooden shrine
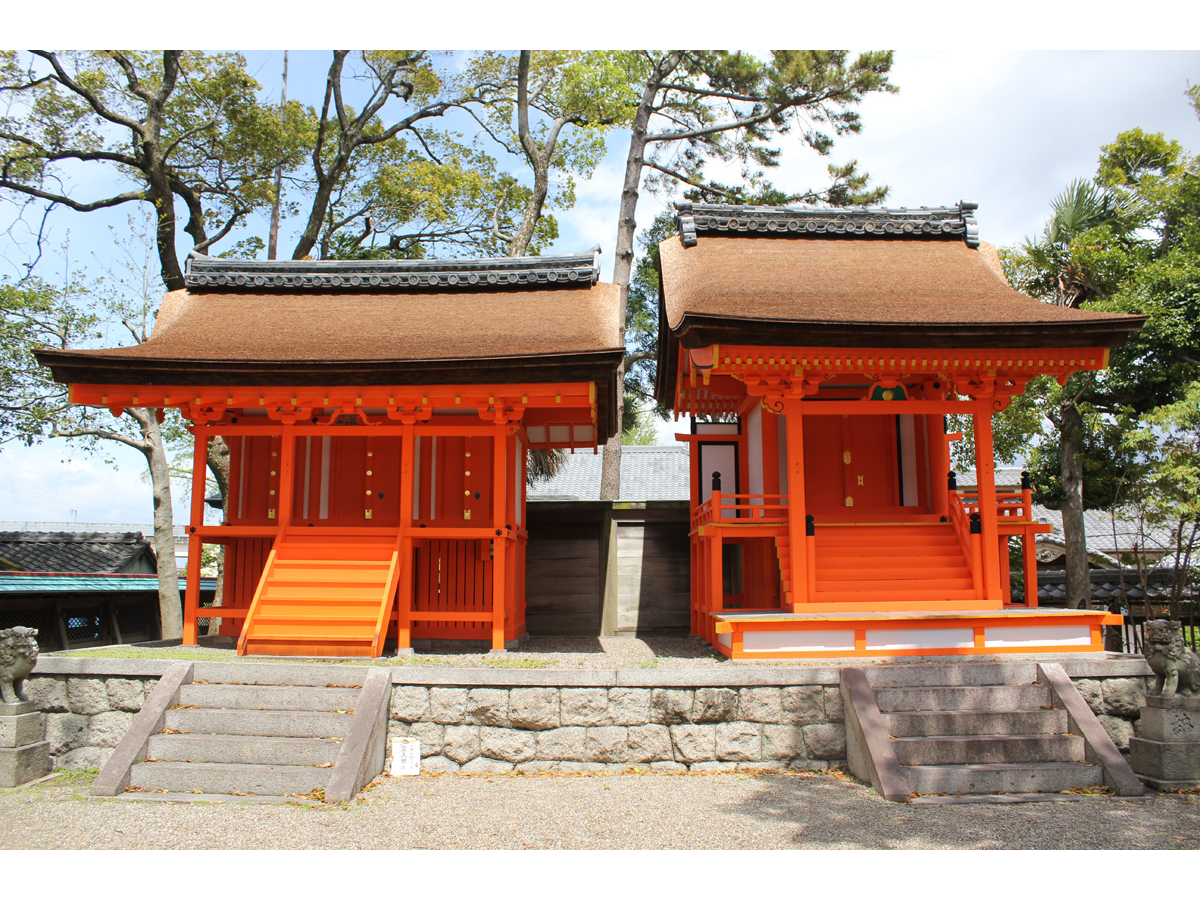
x=378, y=417
x=821, y=351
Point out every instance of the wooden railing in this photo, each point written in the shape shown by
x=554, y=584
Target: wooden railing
x=761, y=509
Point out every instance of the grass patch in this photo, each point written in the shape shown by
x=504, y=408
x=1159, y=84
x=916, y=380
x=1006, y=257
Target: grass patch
x=202, y=654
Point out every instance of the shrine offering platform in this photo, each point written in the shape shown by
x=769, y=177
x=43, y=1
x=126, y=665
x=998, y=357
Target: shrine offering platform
x=772, y=634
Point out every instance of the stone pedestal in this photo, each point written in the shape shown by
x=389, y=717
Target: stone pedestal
x=24, y=754
x=1166, y=752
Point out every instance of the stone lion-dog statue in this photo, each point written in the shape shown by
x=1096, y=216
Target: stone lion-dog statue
x=18, y=656
x=1176, y=668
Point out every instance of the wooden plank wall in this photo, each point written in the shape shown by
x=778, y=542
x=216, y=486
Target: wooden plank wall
x=563, y=565
x=653, y=577
x=567, y=565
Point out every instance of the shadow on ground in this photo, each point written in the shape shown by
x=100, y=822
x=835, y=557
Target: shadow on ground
x=827, y=813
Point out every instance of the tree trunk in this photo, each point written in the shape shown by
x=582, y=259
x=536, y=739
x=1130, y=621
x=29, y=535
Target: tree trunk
x=171, y=610
x=218, y=464
x=610, y=480
x=1070, y=445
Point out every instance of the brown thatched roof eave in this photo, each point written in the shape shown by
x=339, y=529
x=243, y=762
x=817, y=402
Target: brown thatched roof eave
x=90, y=367
x=698, y=330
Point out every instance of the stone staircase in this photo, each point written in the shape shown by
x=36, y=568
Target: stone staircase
x=978, y=732
x=290, y=739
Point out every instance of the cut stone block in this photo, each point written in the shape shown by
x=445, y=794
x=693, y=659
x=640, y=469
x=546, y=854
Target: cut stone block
x=1174, y=761
x=19, y=765
x=19, y=731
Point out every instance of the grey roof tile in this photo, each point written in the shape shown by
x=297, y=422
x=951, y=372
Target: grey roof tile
x=658, y=472
x=60, y=551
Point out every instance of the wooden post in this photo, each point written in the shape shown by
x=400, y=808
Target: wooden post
x=287, y=481
x=1028, y=545
x=191, y=606
x=939, y=464
x=716, y=582
x=404, y=590
x=985, y=478
x=797, y=543
x=499, y=545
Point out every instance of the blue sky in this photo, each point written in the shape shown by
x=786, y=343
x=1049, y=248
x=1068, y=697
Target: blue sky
x=974, y=120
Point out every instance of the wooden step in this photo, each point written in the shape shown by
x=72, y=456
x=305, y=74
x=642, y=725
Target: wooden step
x=927, y=585
x=909, y=573
x=878, y=596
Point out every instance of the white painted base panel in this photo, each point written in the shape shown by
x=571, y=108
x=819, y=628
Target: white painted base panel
x=1034, y=635
x=785, y=641
x=920, y=638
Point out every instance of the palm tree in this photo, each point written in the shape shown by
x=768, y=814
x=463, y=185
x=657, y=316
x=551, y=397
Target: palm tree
x=1060, y=275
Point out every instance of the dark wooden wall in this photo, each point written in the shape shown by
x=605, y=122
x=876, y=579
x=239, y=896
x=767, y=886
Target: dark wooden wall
x=594, y=568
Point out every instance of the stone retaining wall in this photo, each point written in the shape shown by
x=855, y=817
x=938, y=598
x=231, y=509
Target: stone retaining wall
x=593, y=729
x=86, y=716
x=587, y=720
x=1117, y=703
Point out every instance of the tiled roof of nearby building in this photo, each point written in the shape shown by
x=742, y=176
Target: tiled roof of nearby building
x=43, y=583
x=647, y=473
x=58, y=551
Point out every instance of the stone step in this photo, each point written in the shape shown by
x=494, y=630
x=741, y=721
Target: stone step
x=243, y=749
x=1003, y=778
x=963, y=697
x=990, y=748
x=949, y=674
x=267, y=723
x=228, y=778
x=280, y=673
x=972, y=722
x=254, y=696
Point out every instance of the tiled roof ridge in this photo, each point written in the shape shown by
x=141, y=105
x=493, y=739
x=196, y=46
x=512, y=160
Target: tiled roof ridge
x=74, y=537
x=867, y=221
x=206, y=272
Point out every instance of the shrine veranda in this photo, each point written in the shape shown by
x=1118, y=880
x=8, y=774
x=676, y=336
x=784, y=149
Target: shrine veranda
x=379, y=417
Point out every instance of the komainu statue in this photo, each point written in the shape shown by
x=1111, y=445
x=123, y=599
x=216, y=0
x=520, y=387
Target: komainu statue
x=18, y=656
x=1176, y=668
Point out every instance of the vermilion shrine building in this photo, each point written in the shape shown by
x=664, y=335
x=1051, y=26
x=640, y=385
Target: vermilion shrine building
x=821, y=351
x=379, y=416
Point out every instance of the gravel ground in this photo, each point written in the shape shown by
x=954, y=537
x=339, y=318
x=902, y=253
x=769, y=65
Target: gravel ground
x=609, y=812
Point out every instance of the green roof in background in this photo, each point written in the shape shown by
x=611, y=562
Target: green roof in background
x=40, y=583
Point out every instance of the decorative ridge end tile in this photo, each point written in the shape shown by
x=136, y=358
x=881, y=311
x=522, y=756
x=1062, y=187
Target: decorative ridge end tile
x=575, y=270
x=797, y=221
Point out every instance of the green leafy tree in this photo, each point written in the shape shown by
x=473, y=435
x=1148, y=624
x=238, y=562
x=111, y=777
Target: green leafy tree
x=1127, y=242
x=387, y=179
x=174, y=127
x=553, y=110
x=694, y=107
x=33, y=407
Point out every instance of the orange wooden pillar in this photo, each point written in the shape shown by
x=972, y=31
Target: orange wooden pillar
x=500, y=540
x=715, y=600
x=797, y=532
x=191, y=606
x=939, y=464
x=404, y=587
x=985, y=478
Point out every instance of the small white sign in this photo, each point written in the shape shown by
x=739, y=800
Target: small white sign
x=406, y=756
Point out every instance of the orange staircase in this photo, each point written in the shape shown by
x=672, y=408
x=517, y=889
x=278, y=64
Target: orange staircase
x=889, y=564
x=783, y=549
x=327, y=593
